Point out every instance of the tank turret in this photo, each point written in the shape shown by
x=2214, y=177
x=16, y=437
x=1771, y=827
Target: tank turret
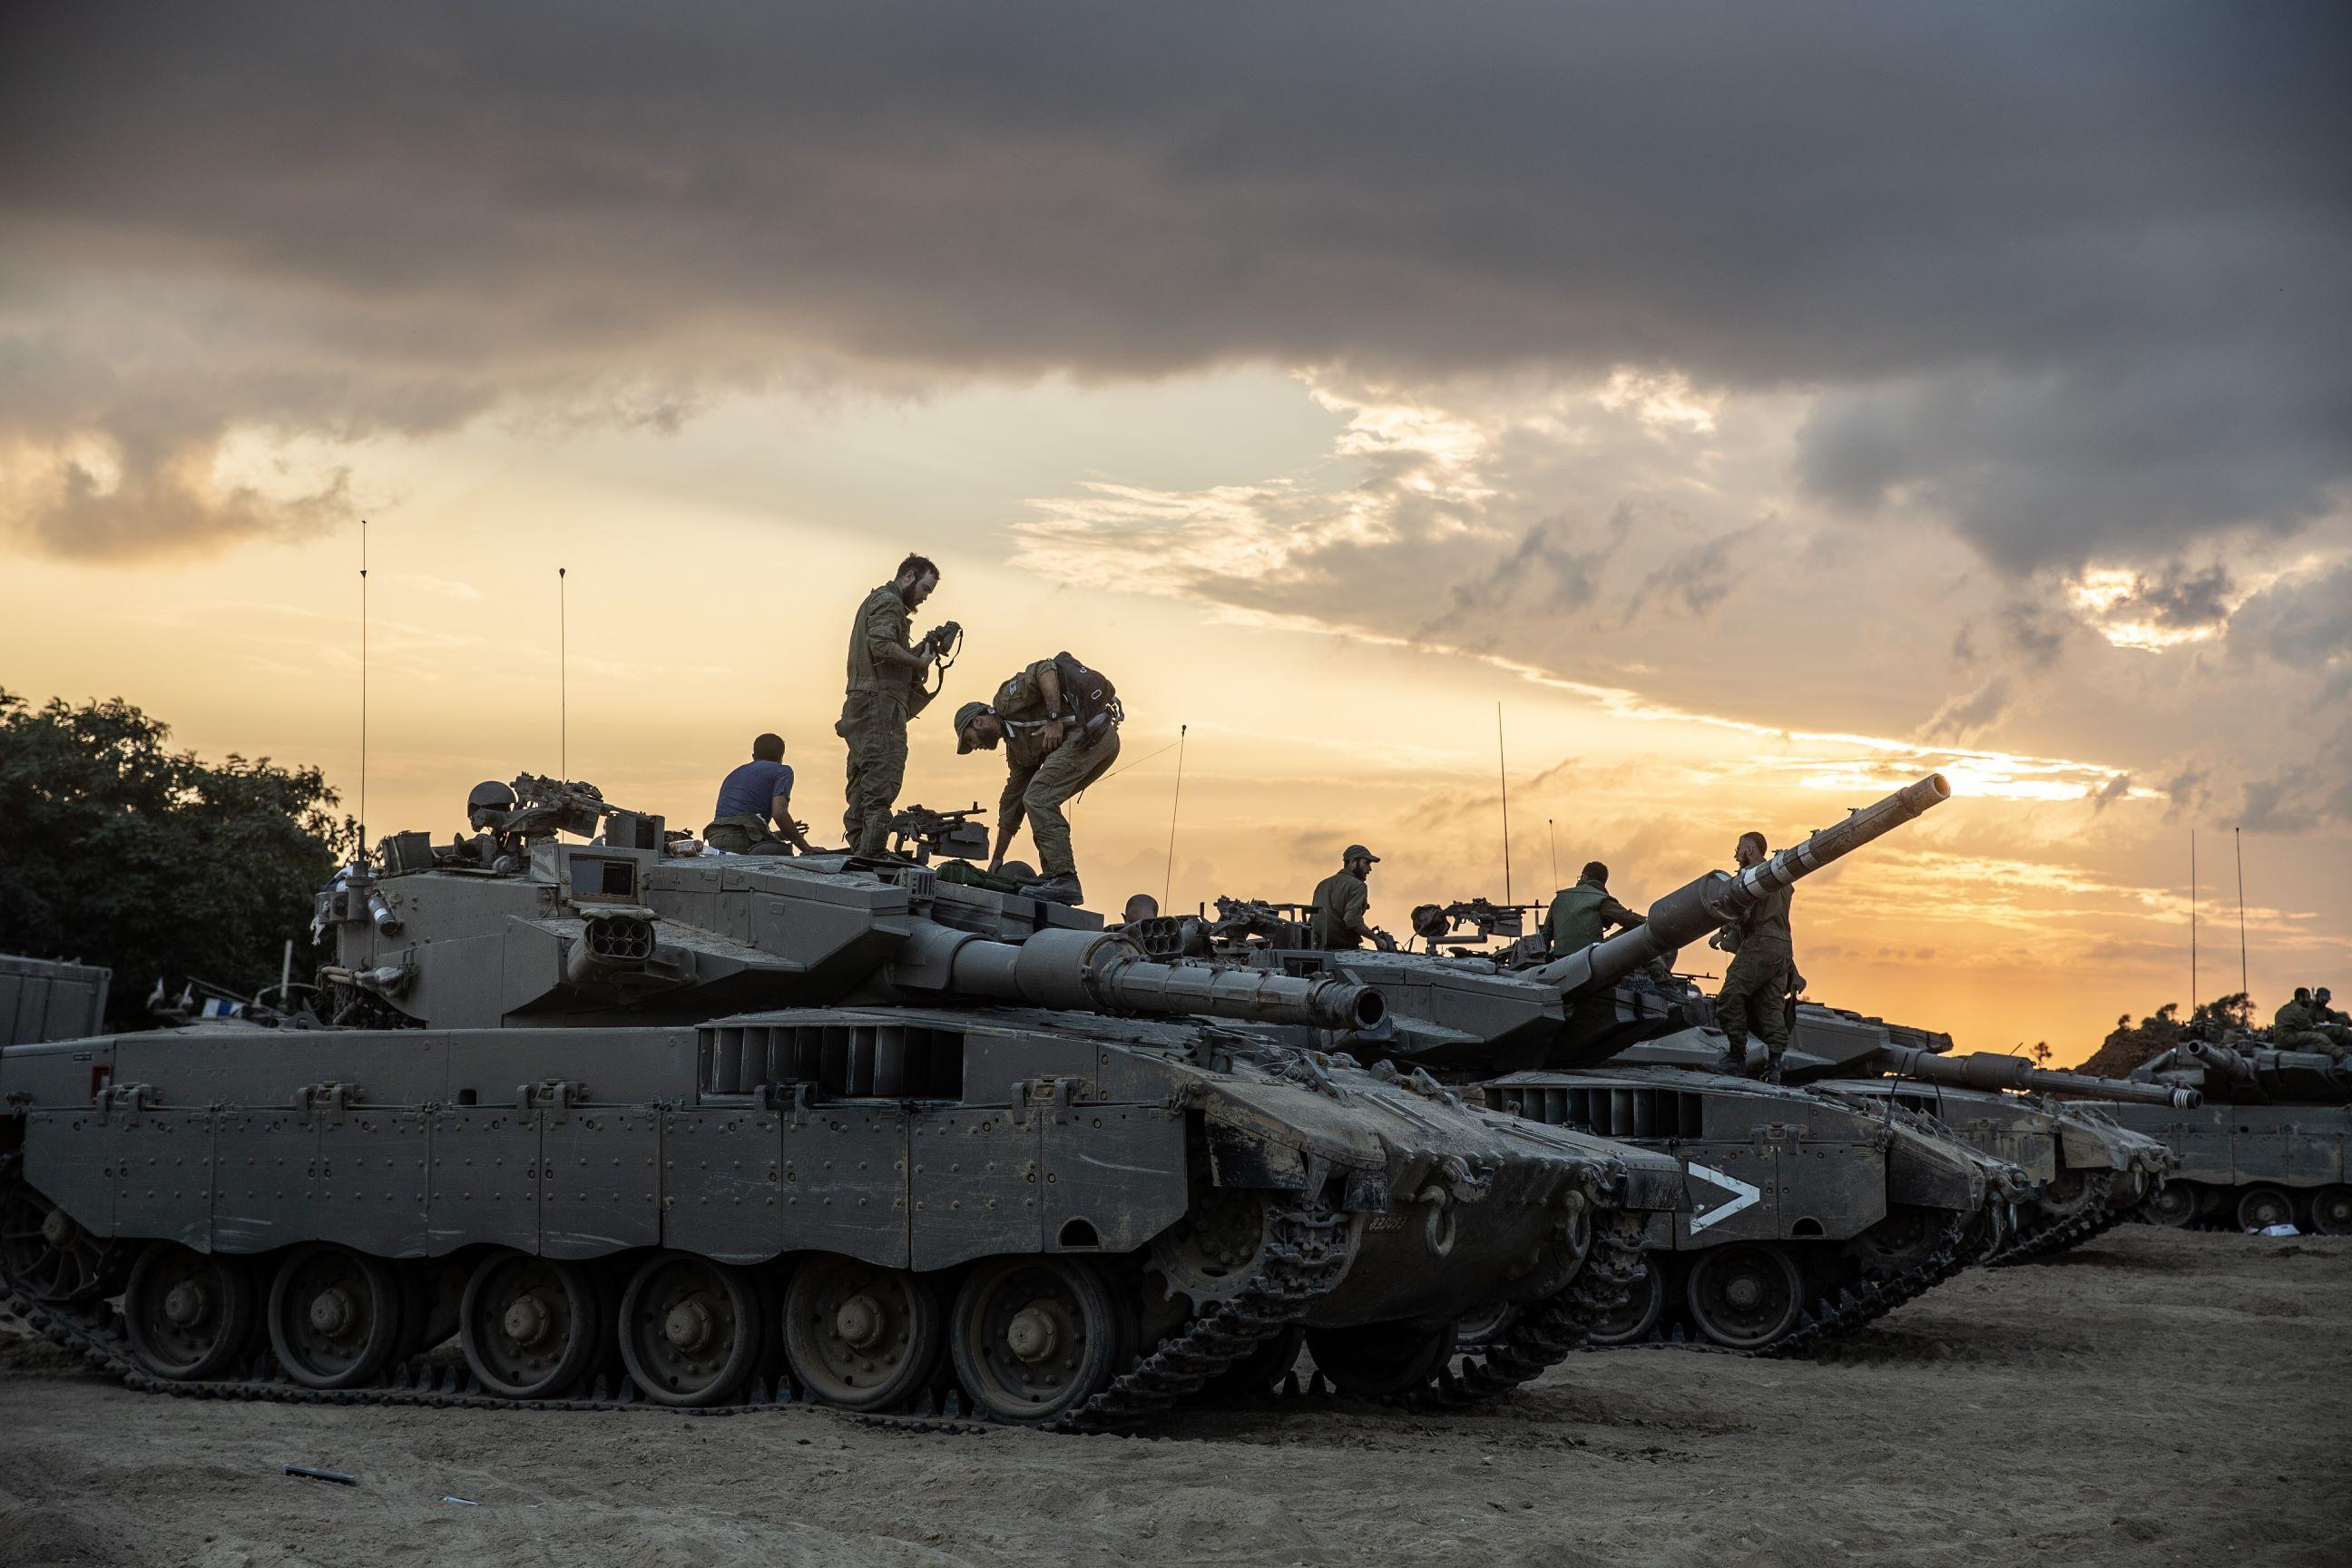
x=2250, y=1074
x=518, y=924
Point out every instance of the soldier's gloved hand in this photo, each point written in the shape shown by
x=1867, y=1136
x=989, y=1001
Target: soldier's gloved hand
x=1720, y=942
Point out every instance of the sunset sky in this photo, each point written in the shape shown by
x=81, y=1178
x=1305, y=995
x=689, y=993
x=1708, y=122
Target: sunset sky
x=1765, y=406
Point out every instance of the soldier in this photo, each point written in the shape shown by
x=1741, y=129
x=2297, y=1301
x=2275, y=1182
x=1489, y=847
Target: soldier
x=1049, y=756
x=1340, y=903
x=885, y=673
x=755, y=793
x=1763, y=964
x=1583, y=915
x=1141, y=907
x=2299, y=1024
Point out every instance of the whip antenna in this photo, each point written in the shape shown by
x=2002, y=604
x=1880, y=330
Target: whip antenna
x=1503, y=772
x=1553, y=839
x=2192, y=922
x=563, y=681
x=1167, y=878
x=361, y=856
x=2238, y=842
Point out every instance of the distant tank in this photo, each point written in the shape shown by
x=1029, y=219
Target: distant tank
x=730, y=1124
x=1810, y=1214
x=2268, y=1146
x=2090, y=1173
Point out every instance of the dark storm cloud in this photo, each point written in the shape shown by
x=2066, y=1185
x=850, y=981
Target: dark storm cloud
x=2070, y=276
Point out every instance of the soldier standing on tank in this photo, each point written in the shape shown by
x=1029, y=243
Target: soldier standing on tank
x=1583, y=915
x=1341, y=900
x=885, y=671
x=1763, y=964
x=1048, y=758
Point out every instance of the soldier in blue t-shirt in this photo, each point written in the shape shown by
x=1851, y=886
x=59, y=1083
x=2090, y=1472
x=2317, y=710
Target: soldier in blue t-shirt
x=755, y=794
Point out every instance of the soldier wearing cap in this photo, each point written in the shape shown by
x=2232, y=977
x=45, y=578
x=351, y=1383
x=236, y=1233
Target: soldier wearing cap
x=1048, y=758
x=1341, y=900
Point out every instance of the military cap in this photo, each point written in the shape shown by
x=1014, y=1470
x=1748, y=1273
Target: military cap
x=965, y=715
x=1355, y=850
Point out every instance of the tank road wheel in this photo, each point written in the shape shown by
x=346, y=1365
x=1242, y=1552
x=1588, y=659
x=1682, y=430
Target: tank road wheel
x=691, y=1328
x=530, y=1326
x=2173, y=1204
x=2331, y=1211
x=1645, y=1303
x=1484, y=1325
x=1374, y=1360
x=1033, y=1337
x=189, y=1316
x=2066, y=1195
x=859, y=1336
x=2261, y=1206
x=45, y=1255
x=1744, y=1296
x=334, y=1316
x=1906, y=1238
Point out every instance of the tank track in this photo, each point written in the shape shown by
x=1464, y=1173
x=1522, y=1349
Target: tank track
x=1832, y=1316
x=1305, y=1261
x=1534, y=1343
x=2063, y=1235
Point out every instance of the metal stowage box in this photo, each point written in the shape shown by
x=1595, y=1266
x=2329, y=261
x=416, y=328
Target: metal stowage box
x=41, y=999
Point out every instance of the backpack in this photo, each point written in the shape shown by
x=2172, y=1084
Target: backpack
x=1089, y=694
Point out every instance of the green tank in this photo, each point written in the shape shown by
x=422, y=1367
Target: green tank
x=2089, y=1172
x=2268, y=1146
x=1808, y=1215
x=634, y=1124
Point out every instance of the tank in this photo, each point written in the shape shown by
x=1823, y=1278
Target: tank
x=2090, y=1173
x=1808, y=1215
x=2268, y=1145
x=692, y=1129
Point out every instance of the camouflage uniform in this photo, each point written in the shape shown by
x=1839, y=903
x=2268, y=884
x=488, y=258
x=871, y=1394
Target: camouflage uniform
x=874, y=719
x=2295, y=1027
x=1757, y=984
x=1037, y=782
x=1341, y=901
x=1581, y=915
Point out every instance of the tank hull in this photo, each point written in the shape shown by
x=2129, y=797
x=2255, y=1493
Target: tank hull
x=2244, y=1167
x=1835, y=1213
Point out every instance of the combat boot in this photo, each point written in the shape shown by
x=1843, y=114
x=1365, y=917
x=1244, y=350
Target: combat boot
x=1060, y=889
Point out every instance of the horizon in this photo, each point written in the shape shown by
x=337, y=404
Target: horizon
x=1757, y=421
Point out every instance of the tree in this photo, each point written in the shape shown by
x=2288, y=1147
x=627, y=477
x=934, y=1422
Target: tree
x=2041, y=1053
x=115, y=851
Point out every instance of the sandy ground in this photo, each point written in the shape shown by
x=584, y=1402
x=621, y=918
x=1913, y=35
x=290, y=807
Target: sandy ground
x=2151, y=1398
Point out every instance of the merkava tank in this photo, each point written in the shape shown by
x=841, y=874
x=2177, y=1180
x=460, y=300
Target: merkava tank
x=2271, y=1144
x=719, y=1126
x=2090, y=1173
x=1810, y=1214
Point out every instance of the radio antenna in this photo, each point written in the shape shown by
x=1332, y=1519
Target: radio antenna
x=562, y=680
x=1167, y=879
x=362, y=855
x=2238, y=842
x=1503, y=772
x=2192, y=922
x=1553, y=839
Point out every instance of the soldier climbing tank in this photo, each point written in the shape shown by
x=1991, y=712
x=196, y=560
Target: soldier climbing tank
x=1808, y=1215
x=2271, y=1144
x=2090, y=1173
x=630, y=1122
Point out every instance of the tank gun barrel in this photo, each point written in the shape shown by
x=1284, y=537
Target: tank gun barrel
x=1984, y=1069
x=1106, y=971
x=1693, y=910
